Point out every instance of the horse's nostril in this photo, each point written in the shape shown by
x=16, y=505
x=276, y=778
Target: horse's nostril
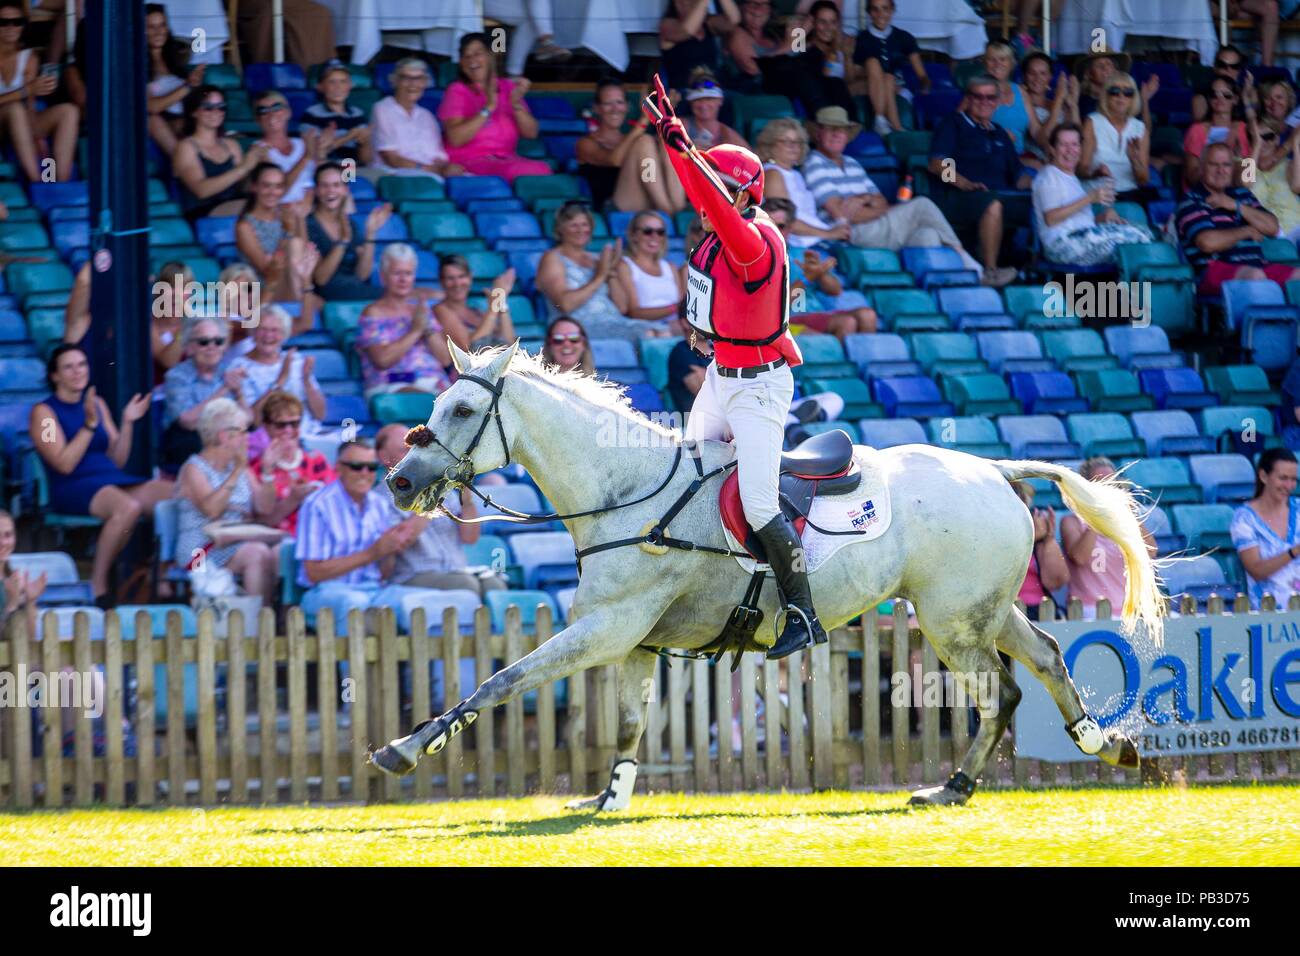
x=402, y=483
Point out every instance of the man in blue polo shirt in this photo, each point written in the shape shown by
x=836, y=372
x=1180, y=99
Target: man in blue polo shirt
x=973, y=165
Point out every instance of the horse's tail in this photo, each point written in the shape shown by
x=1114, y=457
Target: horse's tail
x=1109, y=508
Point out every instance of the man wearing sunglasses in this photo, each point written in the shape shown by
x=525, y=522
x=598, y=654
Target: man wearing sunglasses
x=190, y=385
x=974, y=164
x=737, y=299
x=346, y=540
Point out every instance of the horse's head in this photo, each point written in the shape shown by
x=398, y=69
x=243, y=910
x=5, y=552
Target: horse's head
x=464, y=436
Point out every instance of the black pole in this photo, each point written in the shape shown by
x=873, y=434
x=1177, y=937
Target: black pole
x=121, y=360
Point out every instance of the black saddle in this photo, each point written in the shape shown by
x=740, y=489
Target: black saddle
x=822, y=465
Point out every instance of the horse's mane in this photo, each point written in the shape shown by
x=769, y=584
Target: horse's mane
x=603, y=394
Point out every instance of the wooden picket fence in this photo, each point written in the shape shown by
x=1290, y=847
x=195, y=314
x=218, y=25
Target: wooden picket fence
x=825, y=732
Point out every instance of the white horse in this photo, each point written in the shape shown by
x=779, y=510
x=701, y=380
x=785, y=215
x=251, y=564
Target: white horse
x=957, y=549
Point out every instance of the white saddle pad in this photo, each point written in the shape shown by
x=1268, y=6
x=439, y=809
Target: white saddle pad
x=865, y=509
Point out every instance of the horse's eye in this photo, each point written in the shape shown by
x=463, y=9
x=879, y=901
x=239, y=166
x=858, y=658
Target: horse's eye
x=463, y=411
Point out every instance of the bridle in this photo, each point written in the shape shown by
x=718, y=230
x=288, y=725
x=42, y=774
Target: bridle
x=463, y=470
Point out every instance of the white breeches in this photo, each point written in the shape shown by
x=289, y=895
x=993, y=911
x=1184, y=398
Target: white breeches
x=752, y=411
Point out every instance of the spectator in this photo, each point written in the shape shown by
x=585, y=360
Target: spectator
x=843, y=191
x=1063, y=216
x=402, y=347
x=1060, y=107
x=688, y=37
x=1221, y=125
x=21, y=590
x=1012, y=113
x=1277, y=173
x=346, y=259
x=1220, y=227
x=603, y=154
x=1096, y=563
x=242, y=285
x=1047, y=566
x=191, y=385
x=783, y=146
x=308, y=31
x=1265, y=531
x=757, y=52
x=566, y=346
x=1277, y=102
x=1024, y=19
x=1117, y=145
x=436, y=558
x=167, y=316
x=539, y=17
x=211, y=166
x=470, y=327
x=633, y=190
x=651, y=286
x=1229, y=64
x=340, y=130
x=1267, y=13
x=822, y=72
x=267, y=366
x=215, y=486
x=270, y=234
x=347, y=542
x=170, y=78
x=581, y=285
x=704, y=98
x=881, y=50
x=485, y=116
x=973, y=162
x=1093, y=73
x=290, y=153
x=30, y=130
x=293, y=471
x=406, y=136
x=84, y=453
x=813, y=283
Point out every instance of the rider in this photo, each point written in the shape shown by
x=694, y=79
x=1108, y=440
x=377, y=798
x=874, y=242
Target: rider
x=737, y=296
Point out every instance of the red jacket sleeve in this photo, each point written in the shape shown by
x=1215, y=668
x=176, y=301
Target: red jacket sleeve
x=744, y=247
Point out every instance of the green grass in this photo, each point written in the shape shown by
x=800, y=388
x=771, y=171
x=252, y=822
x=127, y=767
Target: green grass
x=1211, y=826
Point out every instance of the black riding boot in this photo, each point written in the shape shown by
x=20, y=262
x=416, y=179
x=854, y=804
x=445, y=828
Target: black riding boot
x=785, y=555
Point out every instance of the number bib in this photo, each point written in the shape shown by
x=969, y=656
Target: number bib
x=699, y=300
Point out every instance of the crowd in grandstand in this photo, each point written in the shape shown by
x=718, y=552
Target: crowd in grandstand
x=378, y=213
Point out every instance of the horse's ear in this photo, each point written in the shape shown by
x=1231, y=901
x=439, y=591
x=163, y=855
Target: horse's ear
x=497, y=367
x=459, y=357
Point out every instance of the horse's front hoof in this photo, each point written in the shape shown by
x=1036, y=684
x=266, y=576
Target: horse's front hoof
x=596, y=803
x=1128, y=755
x=391, y=761
x=937, y=797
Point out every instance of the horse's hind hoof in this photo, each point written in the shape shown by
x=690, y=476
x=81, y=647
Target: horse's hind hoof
x=1128, y=755
x=391, y=761
x=937, y=797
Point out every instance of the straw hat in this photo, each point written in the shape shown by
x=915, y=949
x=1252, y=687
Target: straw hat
x=835, y=117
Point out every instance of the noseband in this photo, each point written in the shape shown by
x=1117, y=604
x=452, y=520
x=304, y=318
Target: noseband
x=463, y=470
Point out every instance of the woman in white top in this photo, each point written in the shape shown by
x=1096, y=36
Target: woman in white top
x=1116, y=143
x=22, y=81
x=653, y=287
x=1067, y=228
x=782, y=146
x=170, y=78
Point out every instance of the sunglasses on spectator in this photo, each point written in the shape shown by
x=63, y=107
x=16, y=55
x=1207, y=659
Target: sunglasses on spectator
x=207, y=342
x=571, y=337
x=412, y=77
x=653, y=231
x=361, y=465
x=243, y=429
x=988, y=97
x=13, y=21
x=1125, y=91
x=1225, y=65
x=1223, y=95
x=269, y=108
x=287, y=423
x=214, y=107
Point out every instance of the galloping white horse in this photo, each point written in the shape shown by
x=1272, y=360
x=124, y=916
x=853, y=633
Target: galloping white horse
x=957, y=549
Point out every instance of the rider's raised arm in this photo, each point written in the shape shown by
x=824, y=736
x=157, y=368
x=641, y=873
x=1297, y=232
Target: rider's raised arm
x=741, y=239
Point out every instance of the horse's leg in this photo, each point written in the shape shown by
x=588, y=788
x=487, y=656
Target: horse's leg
x=989, y=684
x=589, y=642
x=635, y=675
x=1038, y=651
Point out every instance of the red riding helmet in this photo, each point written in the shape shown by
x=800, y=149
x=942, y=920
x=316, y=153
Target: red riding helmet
x=739, y=169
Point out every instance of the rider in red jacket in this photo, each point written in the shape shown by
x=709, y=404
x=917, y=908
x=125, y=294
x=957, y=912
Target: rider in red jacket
x=737, y=297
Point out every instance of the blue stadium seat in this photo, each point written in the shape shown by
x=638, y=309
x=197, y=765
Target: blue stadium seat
x=1171, y=432
x=881, y=355
x=1258, y=308
x=888, y=432
x=464, y=188
x=1104, y=433
x=947, y=353
x=1223, y=477
x=535, y=551
x=393, y=230
x=259, y=77
x=47, y=196
x=1201, y=577
x=1036, y=436
x=22, y=375
x=1047, y=393
x=1140, y=348
x=1077, y=350
x=331, y=365
x=1242, y=427
x=645, y=398
x=507, y=225
x=1204, y=526
x=654, y=358
x=912, y=396
x=1166, y=479
x=613, y=353
x=1167, y=541
x=1008, y=352
x=434, y=603
x=341, y=408
x=476, y=206
x=972, y=434
x=620, y=222
x=974, y=307
x=526, y=601
x=1176, y=388
x=937, y=266
x=517, y=497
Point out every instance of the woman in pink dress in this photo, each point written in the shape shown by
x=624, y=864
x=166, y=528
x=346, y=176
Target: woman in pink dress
x=483, y=115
